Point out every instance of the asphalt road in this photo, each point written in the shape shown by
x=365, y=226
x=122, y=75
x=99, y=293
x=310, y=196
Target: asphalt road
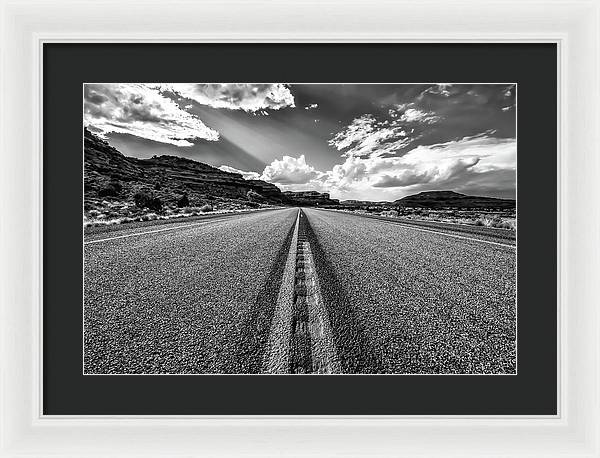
x=198, y=296
x=194, y=297
x=406, y=299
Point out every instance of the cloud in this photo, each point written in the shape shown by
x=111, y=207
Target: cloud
x=509, y=90
x=312, y=106
x=430, y=115
x=251, y=98
x=140, y=110
x=402, y=178
x=416, y=115
x=476, y=164
x=441, y=89
x=245, y=175
x=368, y=135
x=289, y=170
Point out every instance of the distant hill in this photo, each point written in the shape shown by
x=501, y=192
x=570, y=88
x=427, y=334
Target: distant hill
x=110, y=174
x=451, y=199
x=365, y=203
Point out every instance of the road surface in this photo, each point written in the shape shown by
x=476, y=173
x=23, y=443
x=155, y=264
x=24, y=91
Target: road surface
x=263, y=291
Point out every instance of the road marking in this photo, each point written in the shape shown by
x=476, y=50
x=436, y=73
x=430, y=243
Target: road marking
x=152, y=232
x=311, y=318
x=408, y=226
x=300, y=339
x=277, y=356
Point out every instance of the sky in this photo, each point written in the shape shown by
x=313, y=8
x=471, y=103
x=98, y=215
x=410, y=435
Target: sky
x=356, y=141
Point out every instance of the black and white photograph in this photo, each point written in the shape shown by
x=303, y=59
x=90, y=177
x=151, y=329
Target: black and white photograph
x=289, y=229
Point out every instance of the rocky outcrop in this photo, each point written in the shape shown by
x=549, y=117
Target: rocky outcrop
x=311, y=198
x=168, y=176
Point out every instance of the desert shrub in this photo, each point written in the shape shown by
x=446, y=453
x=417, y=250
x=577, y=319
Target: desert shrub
x=141, y=199
x=183, y=201
x=156, y=204
x=253, y=196
x=502, y=223
x=144, y=200
x=206, y=208
x=149, y=217
x=252, y=204
x=496, y=221
x=112, y=189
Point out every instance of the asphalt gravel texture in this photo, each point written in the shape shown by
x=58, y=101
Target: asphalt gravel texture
x=196, y=299
x=198, y=296
x=405, y=301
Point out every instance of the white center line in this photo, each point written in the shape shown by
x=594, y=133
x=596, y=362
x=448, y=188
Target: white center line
x=277, y=355
x=152, y=232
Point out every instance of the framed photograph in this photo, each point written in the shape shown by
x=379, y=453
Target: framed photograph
x=300, y=229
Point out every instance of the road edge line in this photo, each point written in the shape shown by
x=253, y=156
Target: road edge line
x=200, y=223
x=456, y=236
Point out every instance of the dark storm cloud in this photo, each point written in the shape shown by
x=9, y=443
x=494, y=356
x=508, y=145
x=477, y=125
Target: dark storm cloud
x=457, y=171
x=405, y=178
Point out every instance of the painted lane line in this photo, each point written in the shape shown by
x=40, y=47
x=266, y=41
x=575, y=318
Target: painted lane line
x=312, y=348
x=152, y=232
x=300, y=340
x=277, y=356
x=409, y=226
x=323, y=355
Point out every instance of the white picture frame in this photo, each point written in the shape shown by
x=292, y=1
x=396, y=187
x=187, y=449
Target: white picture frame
x=573, y=25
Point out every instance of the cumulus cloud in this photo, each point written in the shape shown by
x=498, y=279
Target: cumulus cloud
x=312, y=106
x=245, y=175
x=441, y=166
x=253, y=98
x=471, y=162
x=289, y=170
x=140, y=110
x=442, y=137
